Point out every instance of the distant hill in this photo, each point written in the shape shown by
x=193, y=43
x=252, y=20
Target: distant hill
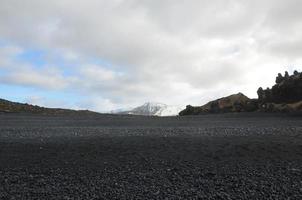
x=13, y=107
x=233, y=103
x=152, y=109
x=284, y=96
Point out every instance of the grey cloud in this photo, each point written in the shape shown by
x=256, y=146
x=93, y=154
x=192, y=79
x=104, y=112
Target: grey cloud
x=162, y=47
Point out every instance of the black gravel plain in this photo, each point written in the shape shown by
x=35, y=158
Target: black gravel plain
x=221, y=156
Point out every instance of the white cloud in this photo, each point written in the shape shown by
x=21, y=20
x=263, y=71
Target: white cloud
x=98, y=104
x=98, y=73
x=18, y=73
x=6, y=53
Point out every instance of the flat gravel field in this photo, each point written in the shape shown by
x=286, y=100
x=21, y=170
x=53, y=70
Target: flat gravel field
x=221, y=156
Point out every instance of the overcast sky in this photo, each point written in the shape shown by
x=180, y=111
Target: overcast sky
x=108, y=54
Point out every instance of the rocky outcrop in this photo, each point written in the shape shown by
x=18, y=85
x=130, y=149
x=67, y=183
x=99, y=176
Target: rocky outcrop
x=288, y=89
x=284, y=96
x=233, y=103
x=281, y=107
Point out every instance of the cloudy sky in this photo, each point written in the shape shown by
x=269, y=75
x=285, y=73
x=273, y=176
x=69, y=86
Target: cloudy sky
x=108, y=54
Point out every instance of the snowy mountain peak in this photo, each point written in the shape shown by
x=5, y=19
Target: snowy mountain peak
x=151, y=107
x=154, y=109
x=153, y=104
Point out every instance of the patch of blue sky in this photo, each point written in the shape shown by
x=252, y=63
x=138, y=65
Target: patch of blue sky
x=22, y=94
x=4, y=71
x=34, y=57
x=3, y=43
x=14, y=93
x=39, y=58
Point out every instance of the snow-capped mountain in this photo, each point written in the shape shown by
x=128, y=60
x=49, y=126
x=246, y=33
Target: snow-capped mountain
x=153, y=109
x=169, y=110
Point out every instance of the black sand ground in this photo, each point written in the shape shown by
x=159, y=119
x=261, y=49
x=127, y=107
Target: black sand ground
x=231, y=156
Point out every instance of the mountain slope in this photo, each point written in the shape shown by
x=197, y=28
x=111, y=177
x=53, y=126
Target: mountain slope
x=13, y=107
x=153, y=109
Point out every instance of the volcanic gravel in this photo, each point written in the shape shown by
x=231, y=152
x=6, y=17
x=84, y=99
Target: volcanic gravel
x=221, y=156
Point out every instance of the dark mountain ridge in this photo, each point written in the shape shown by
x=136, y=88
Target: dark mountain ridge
x=14, y=107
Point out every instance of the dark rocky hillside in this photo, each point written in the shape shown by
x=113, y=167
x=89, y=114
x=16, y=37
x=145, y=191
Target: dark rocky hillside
x=288, y=89
x=284, y=96
x=13, y=107
x=233, y=103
